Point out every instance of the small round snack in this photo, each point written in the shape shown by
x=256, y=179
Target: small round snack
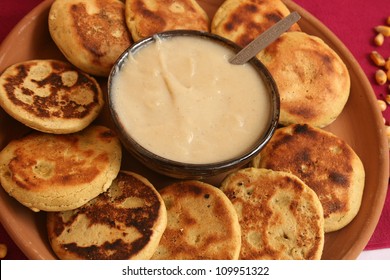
x=313, y=81
x=90, y=33
x=145, y=18
x=281, y=218
x=202, y=224
x=50, y=96
x=52, y=172
x=326, y=163
x=242, y=21
x=124, y=223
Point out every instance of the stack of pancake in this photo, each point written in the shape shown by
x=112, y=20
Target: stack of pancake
x=306, y=181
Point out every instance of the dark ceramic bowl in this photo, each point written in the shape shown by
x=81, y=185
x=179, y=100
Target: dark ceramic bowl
x=183, y=170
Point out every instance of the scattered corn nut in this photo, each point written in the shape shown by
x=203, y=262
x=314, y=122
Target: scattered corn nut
x=3, y=250
x=380, y=77
x=387, y=99
x=382, y=105
x=377, y=58
x=387, y=64
x=388, y=20
x=388, y=75
x=388, y=134
x=379, y=39
x=383, y=29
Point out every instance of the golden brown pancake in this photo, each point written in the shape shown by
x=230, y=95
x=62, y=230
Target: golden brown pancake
x=281, y=218
x=242, y=21
x=326, y=163
x=91, y=34
x=313, y=81
x=148, y=17
x=54, y=172
x=50, y=96
x=125, y=222
x=202, y=224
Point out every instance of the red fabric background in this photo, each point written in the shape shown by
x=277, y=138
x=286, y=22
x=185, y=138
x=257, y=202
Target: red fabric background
x=351, y=20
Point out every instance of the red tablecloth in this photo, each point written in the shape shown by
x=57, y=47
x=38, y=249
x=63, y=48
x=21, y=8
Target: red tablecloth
x=351, y=20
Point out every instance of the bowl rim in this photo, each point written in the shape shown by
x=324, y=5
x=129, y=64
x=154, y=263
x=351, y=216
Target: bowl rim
x=179, y=169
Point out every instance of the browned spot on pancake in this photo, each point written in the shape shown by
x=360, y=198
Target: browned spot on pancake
x=305, y=112
x=304, y=129
x=231, y=25
x=274, y=17
x=152, y=22
x=107, y=136
x=58, y=225
x=103, y=211
x=339, y=179
x=53, y=104
x=94, y=29
x=334, y=204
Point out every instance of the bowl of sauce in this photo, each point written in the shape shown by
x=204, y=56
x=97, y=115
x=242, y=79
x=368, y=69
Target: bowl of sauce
x=184, y=111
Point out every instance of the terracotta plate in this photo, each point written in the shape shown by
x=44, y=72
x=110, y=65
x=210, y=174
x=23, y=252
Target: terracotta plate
x=360, y=124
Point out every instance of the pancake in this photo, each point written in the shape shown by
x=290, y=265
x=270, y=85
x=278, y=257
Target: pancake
x=145, y=18
x=242, y=21
x=91, y=34
x=326, y=163
x=125, y=222
x=202, y=224
x=54, y=172
x=313, y=81
x=281, y=218
x=50, y=96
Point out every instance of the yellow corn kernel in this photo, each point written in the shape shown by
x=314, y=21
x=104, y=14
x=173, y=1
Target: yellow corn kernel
x=383, y=29
x=3, y=251
x=377, y=58
x=380, y=77
x=388, y=75
x=382, y=105
x=387, y=64
x=387, y=98
x=388, y=134
x=379, y=39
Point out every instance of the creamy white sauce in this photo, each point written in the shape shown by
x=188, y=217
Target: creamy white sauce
x=181, y=99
